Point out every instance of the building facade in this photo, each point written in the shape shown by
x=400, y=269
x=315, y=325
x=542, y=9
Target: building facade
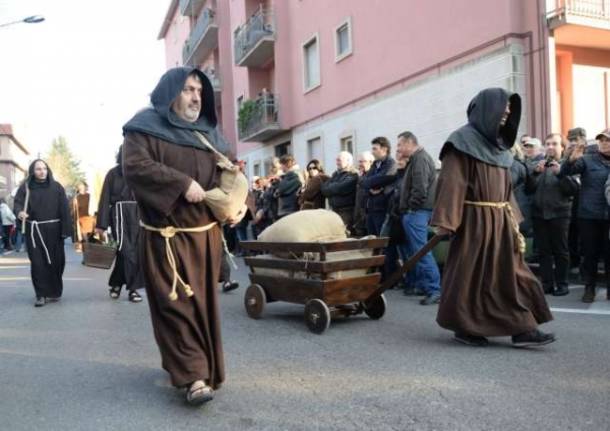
x=14, y=160
x=313, y=77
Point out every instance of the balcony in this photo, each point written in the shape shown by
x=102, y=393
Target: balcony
x=191, y=7
x=258, y=119
x=586, y=13
x=202, y=40
x=582, y=23
x=255, y=40
x=212, y=75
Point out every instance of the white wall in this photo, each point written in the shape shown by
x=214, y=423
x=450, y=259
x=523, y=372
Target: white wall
x=589, y=98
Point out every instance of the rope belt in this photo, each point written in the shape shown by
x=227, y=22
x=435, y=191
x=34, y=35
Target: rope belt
x=35, y=228
x=519, y=238
x=168, y=233
x=120, y=232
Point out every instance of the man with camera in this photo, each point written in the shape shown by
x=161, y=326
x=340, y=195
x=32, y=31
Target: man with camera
x=551, y=211
x=593, y=166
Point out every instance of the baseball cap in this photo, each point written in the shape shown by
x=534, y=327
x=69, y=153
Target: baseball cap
x=605, y=133
x=533, y=142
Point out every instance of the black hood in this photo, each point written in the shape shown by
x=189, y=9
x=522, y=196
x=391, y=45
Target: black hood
x=483, y=137
x=119, y=156
x=31, y=178
x=162, y=122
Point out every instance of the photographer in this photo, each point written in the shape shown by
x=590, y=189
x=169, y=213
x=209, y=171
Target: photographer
x=551, y=211
x=594, y=168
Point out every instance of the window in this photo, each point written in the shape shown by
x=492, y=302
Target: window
x=347, y=144
x=311, y=64
x=343, y=40
x=240, y=101
x=282, y=149
x=314, y=149
x=257, y=169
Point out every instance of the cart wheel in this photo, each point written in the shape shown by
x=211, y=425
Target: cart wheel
x=255, y=300
x=317, y=316
x=375, y=309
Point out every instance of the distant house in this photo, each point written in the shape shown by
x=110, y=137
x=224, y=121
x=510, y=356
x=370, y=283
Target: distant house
x=14, y=157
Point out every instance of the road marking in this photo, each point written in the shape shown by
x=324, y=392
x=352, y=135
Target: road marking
x=14, y=267
x=29, y=278
x=581, y=311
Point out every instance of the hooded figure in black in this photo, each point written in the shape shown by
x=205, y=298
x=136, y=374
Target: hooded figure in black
x=42, y=202
x=119, y=211
x=169, y=169
x=487, y=289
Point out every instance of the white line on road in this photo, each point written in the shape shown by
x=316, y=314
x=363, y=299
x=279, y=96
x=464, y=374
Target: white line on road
x=581, y=311
x=2, y=279
x=14, y=267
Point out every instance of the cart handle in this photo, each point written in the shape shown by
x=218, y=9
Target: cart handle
x=406, y=267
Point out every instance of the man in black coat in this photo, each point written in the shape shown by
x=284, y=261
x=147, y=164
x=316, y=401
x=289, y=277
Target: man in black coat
x=551, y=211
x=340, y=189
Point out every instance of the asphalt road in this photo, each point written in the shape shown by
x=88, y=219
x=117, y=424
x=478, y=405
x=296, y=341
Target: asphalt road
x=91, y=363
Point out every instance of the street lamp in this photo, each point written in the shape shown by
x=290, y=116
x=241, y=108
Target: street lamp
x=34, y=19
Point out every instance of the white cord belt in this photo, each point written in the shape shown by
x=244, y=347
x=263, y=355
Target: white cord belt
x=36, y=229
x=119, y=218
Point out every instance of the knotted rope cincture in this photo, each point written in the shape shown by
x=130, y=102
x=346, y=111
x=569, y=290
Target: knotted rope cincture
x=519, y=238
x=36, y=229
x=120, y=233
x=168, y=233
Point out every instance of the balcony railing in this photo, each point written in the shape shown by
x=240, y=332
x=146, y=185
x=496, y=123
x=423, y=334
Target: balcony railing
x=190, y=7
x=261, y=122
x=203, y=38
x=254, y=41
x=580, y=12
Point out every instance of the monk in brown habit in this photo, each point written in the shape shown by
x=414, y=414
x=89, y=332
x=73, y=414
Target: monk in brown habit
x=169, y=170
x=487, y=288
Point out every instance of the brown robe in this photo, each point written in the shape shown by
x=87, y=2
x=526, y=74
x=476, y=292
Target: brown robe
x=84, y=223
x=187, y=330
x=487, y=288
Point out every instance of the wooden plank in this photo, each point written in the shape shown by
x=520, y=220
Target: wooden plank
x=315, y=246
x=293, y=290
x=348, y=290
x=356, y=244
x=315, y=266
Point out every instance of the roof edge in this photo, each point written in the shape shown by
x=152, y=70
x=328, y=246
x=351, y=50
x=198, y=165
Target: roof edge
x=171, y=10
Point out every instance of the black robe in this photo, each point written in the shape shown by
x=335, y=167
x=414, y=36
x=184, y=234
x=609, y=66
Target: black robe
x=45, y=241
x=118, y=210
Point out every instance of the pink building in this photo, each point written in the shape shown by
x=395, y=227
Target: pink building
x=313, y=77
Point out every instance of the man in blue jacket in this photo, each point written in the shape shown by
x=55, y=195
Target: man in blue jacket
x=594, y=168
x=378, y=184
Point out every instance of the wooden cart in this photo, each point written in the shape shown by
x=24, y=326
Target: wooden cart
x=325, y=296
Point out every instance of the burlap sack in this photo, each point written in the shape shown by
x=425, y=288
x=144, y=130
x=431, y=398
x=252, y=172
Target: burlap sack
x=228, y=199
x=306, y=226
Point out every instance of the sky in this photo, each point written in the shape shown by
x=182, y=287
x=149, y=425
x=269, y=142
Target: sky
x=82, y=73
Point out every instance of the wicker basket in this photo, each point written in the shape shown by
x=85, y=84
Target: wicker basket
x=98, y=255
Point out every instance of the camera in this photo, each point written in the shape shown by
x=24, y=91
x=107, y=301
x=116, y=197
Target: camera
x=549, y=161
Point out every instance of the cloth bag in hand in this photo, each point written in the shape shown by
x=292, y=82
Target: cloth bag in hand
x=226, y=201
